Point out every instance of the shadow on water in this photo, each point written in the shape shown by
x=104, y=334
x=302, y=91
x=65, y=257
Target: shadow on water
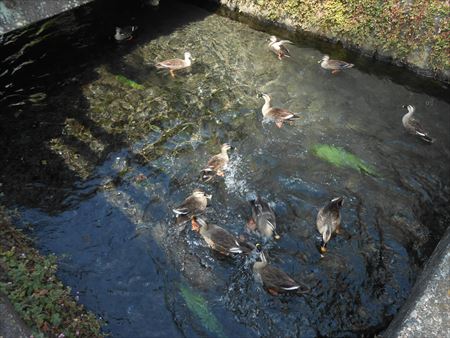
x=97, y=148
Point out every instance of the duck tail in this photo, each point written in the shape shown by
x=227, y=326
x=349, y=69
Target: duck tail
x=207, y=174
x=426, y=138
x=246, y=247
x=180, y=211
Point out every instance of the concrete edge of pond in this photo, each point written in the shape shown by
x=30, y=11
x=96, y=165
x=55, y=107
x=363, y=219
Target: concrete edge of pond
x=11, y=325
x=426, y=313
x=416, y=61
x=20, y=13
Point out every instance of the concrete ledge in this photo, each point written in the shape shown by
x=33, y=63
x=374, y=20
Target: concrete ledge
x=19, y=13
x=11, y=325
x=426, y=313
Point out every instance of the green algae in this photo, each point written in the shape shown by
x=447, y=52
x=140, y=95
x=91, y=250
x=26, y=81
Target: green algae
x=199, y=306
x=342, y=158
x=130, y=83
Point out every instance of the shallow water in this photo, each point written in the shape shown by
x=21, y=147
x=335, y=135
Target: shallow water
x=96, y=166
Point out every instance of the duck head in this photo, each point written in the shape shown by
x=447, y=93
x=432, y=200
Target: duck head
x=225, y=147
x=187, y=56
x=264, y=96
x=409, y=107
x=324, y=58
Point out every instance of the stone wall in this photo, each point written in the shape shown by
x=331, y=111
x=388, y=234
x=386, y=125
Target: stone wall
x=20, y=13
x=410, y=33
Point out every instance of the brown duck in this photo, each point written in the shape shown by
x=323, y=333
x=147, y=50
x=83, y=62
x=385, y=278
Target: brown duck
x=193, y=205
x=329, y=221
x=175, y=64
x=219, y=239
x=277, y=115
x=413, y=126
x=278, y=47
x=216, y=164
x=334, y=65
x=275, y=281
x=263, y=219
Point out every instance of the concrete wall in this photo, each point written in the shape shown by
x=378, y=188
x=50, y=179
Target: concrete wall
x=20, y=13
x=408, y=33
x=426, y=313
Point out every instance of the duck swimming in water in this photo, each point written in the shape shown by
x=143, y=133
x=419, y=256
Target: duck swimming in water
x=216, y=164
x=334, y=65
x=125, y=33
x=263, y=219
x=274, y=280
x=329, y=220
x=175, y=64
x=278, y=115
x=193, y=205
x=220, y=239
x=278, y=47
x=413, y=126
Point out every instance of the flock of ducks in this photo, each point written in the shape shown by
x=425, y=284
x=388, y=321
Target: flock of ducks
x=263, y=219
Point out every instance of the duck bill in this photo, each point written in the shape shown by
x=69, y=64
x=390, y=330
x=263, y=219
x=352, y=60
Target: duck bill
x=209, y=196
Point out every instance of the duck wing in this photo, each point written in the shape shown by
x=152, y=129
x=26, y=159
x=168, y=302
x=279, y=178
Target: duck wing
x=216, y=162
x=274, y=278
x=284, y=50
x=338, y=64
x=172, y=64
x=223, y=241
x=190, y=205
x=281, y=114
x=416, y=125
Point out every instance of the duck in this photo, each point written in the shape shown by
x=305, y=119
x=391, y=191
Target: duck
x=125, y=33
x=263, y=219
x=175, y=64
x=278, y=115
x=334, y=65
x=277, y=46
x=220, y=239
x=274, y=280
x=193, y=205
x=413, y=126
x=329, y=220
x=216, y=164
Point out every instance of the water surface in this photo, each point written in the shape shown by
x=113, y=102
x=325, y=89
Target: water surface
x=96, y=164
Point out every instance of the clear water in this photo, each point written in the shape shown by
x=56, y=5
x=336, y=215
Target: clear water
x=96, y=166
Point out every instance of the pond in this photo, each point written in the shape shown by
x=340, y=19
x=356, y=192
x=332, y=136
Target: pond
x=97, y=152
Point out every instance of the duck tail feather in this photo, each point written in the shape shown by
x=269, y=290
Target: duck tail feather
x=426, y=138
x=181, y=211
x=236, y=250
